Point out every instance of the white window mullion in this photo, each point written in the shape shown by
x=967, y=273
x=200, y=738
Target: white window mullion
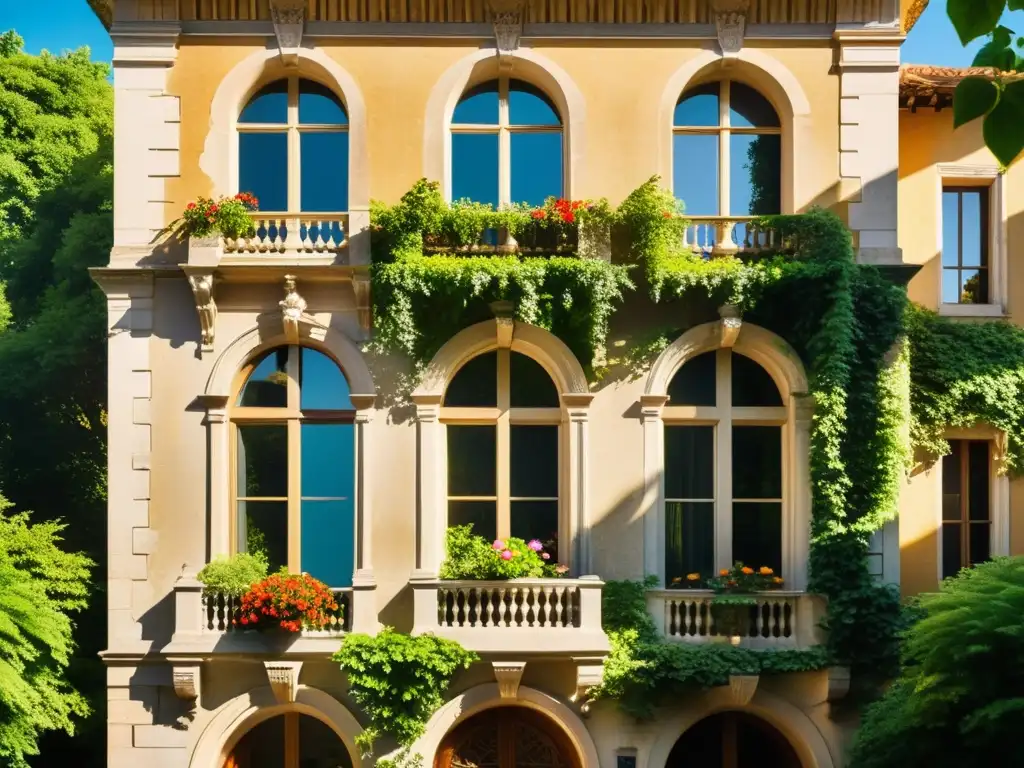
x=504, y=145
x=294, y=188
x=723, y=150
x=723, y=461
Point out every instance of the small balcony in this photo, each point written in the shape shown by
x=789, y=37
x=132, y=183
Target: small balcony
x=733, y=235
x=778, y=620
x=536, y=617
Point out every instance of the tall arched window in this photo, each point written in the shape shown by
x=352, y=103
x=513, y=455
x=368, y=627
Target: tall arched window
x=293, y=444
x=727, y=152
x=724, y=458
x=502, y=414
x=507, y=145
x=293, y=148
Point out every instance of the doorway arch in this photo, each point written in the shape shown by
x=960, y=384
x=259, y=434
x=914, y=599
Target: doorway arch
x=732, y=739
x=289, y=740
x=507, y=737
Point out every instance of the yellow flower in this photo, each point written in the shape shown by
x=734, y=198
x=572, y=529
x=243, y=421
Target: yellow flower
x=692, y=576
x=766, y=571
x=747, y=570
x=777, y=580
x=677, y=579
x=724, y=572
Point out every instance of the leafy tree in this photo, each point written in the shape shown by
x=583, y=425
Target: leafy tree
x=959, y=698
x=999, y=102
x=39, y=584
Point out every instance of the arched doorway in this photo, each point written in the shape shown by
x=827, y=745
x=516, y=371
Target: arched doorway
x=291, y=740
x=732, y=740
x=507, y=737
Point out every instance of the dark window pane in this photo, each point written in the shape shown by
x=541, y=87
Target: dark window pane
x=319, y=105
x=749, y=109
x=534, y=457
x=263, y=746
x=263, y=168
x=534, y=519
x=328, y=461
x=695, y=172
x=698, y=107
x=756, y=462
x=328, y=531
x=978, y=481
x=755, y=175
x=471, y=460
x=262, y=460
x=475, y=384
x=689, y=539
x=530, y=384
x=269, y=105
x=482, y=515
x=475, y=167
x=530, y=106
x=319, y=746
x=478, y=105
x=322, y=384
x=980, y=542
x=950, y=228
x=972, y=228
x=263, y=527
x=951, y=481
x=689, y=462
x=752, y=385
x=267, y=386
x=757, y=534
x=973, y=287
x=951, y=286
x=951, y=563
x=324, y=168
x=695, y=382
x=536, y=167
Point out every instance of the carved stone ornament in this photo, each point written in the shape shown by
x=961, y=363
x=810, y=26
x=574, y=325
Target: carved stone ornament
x=508, y=674
x=587, y=676
x=731, y=24
x=742, y=689
x=293, y=309
x=283, y=677
x=289, y=17
x=361, y=289
x=507, y=19
x=186, y=681
x=206, y=307
x=731, y=324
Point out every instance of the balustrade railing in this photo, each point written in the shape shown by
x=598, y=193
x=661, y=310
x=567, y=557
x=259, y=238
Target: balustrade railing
x=727, y=235
x=221, y=611
x=292, y=233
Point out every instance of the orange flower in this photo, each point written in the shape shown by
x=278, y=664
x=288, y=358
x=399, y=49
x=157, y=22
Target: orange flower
x=766, y=571
x=747, y=570
x=692, y=576
x=777, y=580
x=677, y=579
x=724, y=572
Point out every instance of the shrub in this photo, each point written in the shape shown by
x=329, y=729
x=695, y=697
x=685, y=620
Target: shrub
x=233, y=576
x=473, y=557
x=290, y=601
x=228, y=216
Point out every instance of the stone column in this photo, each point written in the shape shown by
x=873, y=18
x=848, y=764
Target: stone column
x=219, y=472
x=364, y=605
x=577, y=547
x=431, y=514
x=652, y=506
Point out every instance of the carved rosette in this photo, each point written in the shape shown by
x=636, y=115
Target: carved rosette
x=731, y=24
x=288, y=16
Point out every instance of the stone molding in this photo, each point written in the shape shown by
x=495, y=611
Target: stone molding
x=508, y=674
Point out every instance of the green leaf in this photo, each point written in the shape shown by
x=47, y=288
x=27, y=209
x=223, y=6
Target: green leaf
x=1015, y=5
x=1002, y=129
x=974, y=18
x=973, y=98
x=995, y=55
x=1002, y=36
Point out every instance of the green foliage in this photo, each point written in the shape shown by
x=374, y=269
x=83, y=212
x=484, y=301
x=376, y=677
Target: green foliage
x=5, y=309
x=399, y=681
x=958, y=699
x=469, y=556
x=39, y=585
x=962, y=374
x=227, y=216
x=233, y=575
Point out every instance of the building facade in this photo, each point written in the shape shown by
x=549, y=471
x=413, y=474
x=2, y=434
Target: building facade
x=225, y=356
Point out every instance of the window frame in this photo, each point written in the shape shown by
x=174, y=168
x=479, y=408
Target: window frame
x=984, y=268
x=966, y=523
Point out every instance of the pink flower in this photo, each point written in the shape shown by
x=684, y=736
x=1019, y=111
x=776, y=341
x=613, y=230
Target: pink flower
x=535, y=545
x=506, y=555
x=498, y=544
x=545, y=555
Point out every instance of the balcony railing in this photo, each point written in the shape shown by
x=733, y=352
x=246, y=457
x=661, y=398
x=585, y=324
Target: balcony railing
x=727, y=235
x=534, y=616
x=293, y=233
x=778, y=620
x=220, y=614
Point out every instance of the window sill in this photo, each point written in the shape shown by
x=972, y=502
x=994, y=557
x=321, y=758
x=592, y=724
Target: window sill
x=972, y=310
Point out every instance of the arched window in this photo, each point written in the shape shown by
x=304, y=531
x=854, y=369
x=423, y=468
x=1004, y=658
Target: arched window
x=727, y=152
x=724, y=462
x=506, y=145
x=293, y=443
x=501, y=412
x=293, y=148
x=291, y=739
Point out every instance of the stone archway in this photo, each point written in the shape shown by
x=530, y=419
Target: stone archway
x=289, y=740
x=732, y=740
x=507, y=737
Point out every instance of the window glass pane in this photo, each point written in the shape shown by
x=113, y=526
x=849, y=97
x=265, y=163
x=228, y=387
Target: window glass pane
x=263, y=527
x=528, y=105
x=695, y=172
x=482, y=515
x=980, y=542
x=534, y=457
x=324, y=169
x=475, y=384
x=689, y=462
x=756, y=462
x=471, y=460
x=974, y=287
x=534, y=520
x=757, y=534
x=752, y=385
x=978, y=481
x=689, y=539
x=950, y=228
x=319, y=746
x=261, y=747
x=951, y=481
x=262, y=460
x=322, y=384
x=267, y=386
x=755, y=174
x=328, y=460
x=319, y=105
x=475, y=167
x=972, y=228
x=749, y=109
x=530, y=384
x=478, y=105
x=263, y=168
x=951, y=286
x=951, y=563
x=536, y=167
x=327, y=541
x=269, y=105
x=695, y=382
x=698, y=106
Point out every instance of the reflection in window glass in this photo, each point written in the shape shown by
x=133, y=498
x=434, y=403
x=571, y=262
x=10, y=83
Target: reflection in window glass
x=695, y=382
x=698, y=107
x=755, y=174
x=263, y=527
x=475, y=167
x=268, y=106
x=319, y=105
x=267, y=386
x=965, y=277
x=263, y=168
x=530, y=106
x=323, y=386
x=323, y=173
x=262, y=461
x=536, y=167
x=695, y=172
x=749, y=109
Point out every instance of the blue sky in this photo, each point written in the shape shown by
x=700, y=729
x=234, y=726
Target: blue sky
x=59, y=24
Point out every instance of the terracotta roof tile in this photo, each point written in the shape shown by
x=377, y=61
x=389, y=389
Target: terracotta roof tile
x=924, y=85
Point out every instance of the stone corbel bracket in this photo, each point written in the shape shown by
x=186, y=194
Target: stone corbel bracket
x=185, y=676
x=202, y=283
x=507, y=19
x=730, y=325
x=589, y=673
x=289, y=17
x=742, y=689
x=293, y=310
x=508, y=674
x=361, y=290
x=283, y=677
x=731, y=25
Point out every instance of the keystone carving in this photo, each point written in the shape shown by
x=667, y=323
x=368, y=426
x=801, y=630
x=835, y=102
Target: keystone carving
x=731, y=24
x=508, y=674
x=742, y=689
x=206, y=307
x=283, y=677
x=731, y=324
x=293, y=309
x=507, y=20
x=288, y=16
x=186, y=682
